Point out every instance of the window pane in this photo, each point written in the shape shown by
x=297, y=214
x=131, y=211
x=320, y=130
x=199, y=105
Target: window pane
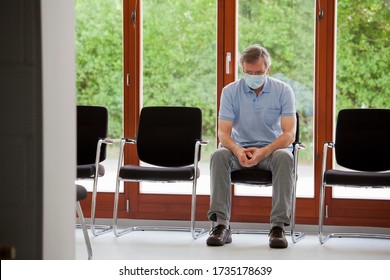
x=99, y=71
x=286, y=29
x=179, y=68
x=362, y=66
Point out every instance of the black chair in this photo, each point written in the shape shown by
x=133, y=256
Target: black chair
x=92, y=127
x=263, y=178
x=81, y=194
x=169, y=139
x=362, y=147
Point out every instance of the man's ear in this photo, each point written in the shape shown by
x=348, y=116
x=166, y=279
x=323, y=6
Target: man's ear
x=269, y=69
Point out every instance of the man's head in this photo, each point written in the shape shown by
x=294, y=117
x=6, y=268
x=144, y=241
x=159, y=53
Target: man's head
x=255, y=62
x=254, y=53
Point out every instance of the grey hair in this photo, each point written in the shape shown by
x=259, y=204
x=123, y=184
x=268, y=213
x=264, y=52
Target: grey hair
x=253, y=53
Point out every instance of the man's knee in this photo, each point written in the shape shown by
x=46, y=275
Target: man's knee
x=221, y=155
x=283, y=157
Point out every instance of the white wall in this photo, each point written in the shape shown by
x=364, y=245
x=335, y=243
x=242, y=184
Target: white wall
x=59, y=128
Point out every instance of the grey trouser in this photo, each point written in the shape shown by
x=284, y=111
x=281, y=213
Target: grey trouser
x=281, y=164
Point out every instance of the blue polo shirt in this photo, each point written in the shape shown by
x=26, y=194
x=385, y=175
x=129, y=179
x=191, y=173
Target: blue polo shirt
x=256, y=119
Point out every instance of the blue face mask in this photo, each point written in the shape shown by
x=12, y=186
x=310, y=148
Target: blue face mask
x=254, y=81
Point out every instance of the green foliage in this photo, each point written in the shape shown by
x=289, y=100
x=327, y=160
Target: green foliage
x=179, y=58
x=99, y=57
x=286, y=29
x=363, y=52
x=179, y=54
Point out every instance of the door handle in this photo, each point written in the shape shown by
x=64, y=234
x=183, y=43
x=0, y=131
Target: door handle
x=228, y=60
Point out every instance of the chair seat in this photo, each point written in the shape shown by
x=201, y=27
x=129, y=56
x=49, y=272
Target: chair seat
x=88, y=171
x=358, y=179
x=252, y=176
x=82, y=193
x=141, y=173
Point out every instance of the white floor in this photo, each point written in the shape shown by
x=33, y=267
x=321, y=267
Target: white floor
x=152, y=245
x=175, y=255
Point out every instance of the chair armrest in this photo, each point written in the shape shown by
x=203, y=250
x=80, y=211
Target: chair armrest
x=198, y=143
x=329, y=144
x=110, y=140
x=299, y=145
x=129, y=140
x=123, y=141
x=202, y=142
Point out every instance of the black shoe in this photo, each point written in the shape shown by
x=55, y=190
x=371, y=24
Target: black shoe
x=277, y=239
x=219, y=236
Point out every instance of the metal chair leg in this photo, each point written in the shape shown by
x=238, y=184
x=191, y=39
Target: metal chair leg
x=195, y=232
x=103, y=229
x=84, y=228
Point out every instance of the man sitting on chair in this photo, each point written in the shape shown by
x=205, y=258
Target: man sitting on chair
x=256, y=127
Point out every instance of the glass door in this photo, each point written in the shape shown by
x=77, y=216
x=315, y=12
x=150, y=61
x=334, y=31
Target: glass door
x=359, y=71
x=99, y=72
x=362, y=81
x=179, y=69
x=181, y=58
x=175, y=53
x=286, y=28
x=362, y=67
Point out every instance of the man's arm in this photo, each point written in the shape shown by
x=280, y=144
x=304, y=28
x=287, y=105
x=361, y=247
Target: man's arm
x=225, y=137
x=288, y=125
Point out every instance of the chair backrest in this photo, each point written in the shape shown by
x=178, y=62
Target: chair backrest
x=363, y=139
x=167, y=135
x=92, y=125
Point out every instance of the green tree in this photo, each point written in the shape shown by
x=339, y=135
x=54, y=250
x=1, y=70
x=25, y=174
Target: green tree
x=179, y=43
x=363, y=52
x=179, y=58
x=99, y=57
